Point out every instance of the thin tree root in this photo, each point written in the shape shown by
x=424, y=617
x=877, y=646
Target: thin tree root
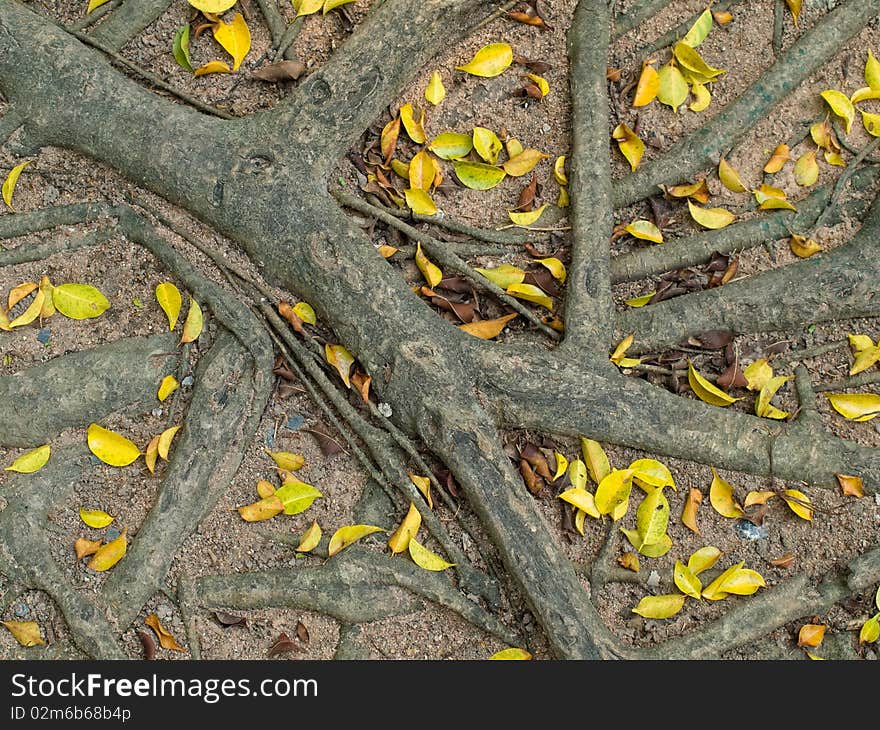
x=856, y=381
x=187, y=602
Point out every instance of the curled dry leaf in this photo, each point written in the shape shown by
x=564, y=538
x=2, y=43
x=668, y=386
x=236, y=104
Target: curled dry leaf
x=783, y=561
x=228, y=619
x=811, y=634
x=146, y=640
x=689, y=512
x=310, y=539
x=851, y=485
x=282, y=645
x=84, y=547
x=629, y=561
x=281, y=71
x=26, y=633
x=166, y=639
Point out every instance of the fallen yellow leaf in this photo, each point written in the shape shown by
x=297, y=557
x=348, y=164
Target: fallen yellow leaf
x=166, y=639
x=110, y=447
x=489, y=61
x=721, y=497
x=95, y=518
x=109, y=554
x=31, y=461
x=345, y=536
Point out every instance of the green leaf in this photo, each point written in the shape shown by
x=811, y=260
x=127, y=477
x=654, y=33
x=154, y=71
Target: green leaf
x=180, y=49
x=699, y=30
x=659, y=607
x=478, y=175
x=79, y=301
x=451, y=145
x=296, y=496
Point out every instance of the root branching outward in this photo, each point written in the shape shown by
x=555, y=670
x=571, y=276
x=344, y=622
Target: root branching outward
x=260, y=181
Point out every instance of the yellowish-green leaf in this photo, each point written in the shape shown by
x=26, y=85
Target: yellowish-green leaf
x=647, y=87
x=432, y=273
x=212, y=6
x=561, y=465
x=310, y=539
x=523, y=163
x=95, y=518
x=109, y=553
x=265, y=509
x=168, y=385
x=834, y=158
x=713, y=591
x=513, y=147
x=871, y=123
x=265, y=489
x=562, y=201
x=650, y=473
x=872, y=72
x=806, y=169
x=530, y=293
x=399, y=540
x=640, y=301
x=526, y=219
x=612, y=493
x=660, y=607
x=489, y=61
x=706, y=391
x=713, y=218
x=426, y=559
x=414, y=127
x=349, y=534
x=870, y=630
x=341, y=359
x=11, y=180
x=630, y=145
x=686, y=581
x=742, y=582
x=304, y=311
x=595, y=458
x=855, y=406
x=451, y=145
x=841, y=106
x=699, y=30
x=582, y=499
x=79, y=301
x=170, y=301
x=503, y=275
x=799, y=503
x=540, y=82
x=763, y=407
x=730, y=177
x=213, y=67
x=702, y=97
x=110, y=447
x=758, y=374
x=286, y=460
x=235, y=38
x=419, y=202
x=703, y=559
x=478, y=175
x=26, y=633
x=192, y=325
x=652, y=517
x=31, y=461
x=296, y=496
x=559, y=171
x=645, y=230
x=650, y=550
x=165, y=439
x=722, y=499
x=487, y=329
x=307, y=7
x=333, y=4
x=673, y=88
x=487, y=144
x=689, y=59
x=512, y=653
x=577, y=474
x=435, y=92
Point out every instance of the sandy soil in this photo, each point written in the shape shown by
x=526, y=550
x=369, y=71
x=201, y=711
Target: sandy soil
x=841, y=527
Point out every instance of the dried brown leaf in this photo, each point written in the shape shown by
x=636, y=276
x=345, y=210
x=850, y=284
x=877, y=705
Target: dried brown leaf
x=228, y=619
x=148, y=643
x=302, y=633
x=281, y=71
x=783, y=561
x=326, y=442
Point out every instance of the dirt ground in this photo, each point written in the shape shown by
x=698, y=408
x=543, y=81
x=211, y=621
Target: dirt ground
x=841, y=528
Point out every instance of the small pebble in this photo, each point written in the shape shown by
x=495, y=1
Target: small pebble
x=385, y=409
x=877, y=498
x=157, y=412
x=187, y=381
x=653, y=579
x=21, y=610
x=294, y=422
x=43, y=336
x=749, y=530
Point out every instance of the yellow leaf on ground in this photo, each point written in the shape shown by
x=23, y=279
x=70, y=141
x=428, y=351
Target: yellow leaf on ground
x=349, y=534
x=310, y=539
x=693, y=63
x=304, y=311
x=165, y=439
x=777, y=159
x=433, y=275
x=689, y=511
x=451, y=145
x=526, y=219
x=85, y=547
x=399, y=540
x=487, y=329
x=426, y=559
x=213, y=67
x=702, y=97
x=341, y=359
x=757, y=374
x=630, y=145
x=110, y=447
x=703, y=559
x=660, y=607
x=296, y=496
x=523, y=163
x=561, y=465
x=435, y=92
x=489, y=61
x=595, y=459
x=559, y=171
x=79, y=301
x=699, y=30
x=758, y=497
x=841, y=106
x=166, y=639
x=423, y=484
x=333, y=4
x=742, y=582
x=650, y=473
x=503, y=275
x=421, y=171
x=17, y=293
x=151, y=454
x=26, y=633
x=713, y=591
x=540, y=82
x=414, y=127
x=530, y=293
x=803, y=247
x=699, y=191
x=478, y=175
x=644, y=230
x=851, y=485
x=555, y=267
x=871, y=123
x=730, y=178
x=652, y=517
x=235, y=38
x=722, y=499
x=799, y=503
x=650, y=550
x=806, y=169
x=212, y=6
x=612, y=493
x=870, y=630
x=811, y=634
x=170, y=301
x=487, y=144
x=307, y=7
x=673, y=88
x=582, y=499
x=286, y=460
x=795, y=7
x=872, y=72
x=706, y=391
x=31, y=313
x=109, y=554
x=865, y=353
x=192, y=327
x=11, y=181
x=168, y=385
x=640, y=301
x=855, y=406
x=419, y=202
x=713, y=218
x=95, y=518
x=686, y=581
x=31, y=461
x=263, y=510
x=94, y=5
x=265, y=489
x=512, y=653
x=647, y=87
x=630, y=561
x=763, y=407
x=388, y=139
x=577, y=474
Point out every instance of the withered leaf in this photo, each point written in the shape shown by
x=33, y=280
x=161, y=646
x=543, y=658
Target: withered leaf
x=532, y=480
x=534, y=65
x=326, y=442
x=711, y=340
x=732, y=377
x=783, y=561
x=851, y=485
x=544, y=279
x=281, y=71
x=166, y=639
x=536, y=460
x=282, y=645
x=148, y=643
x=228, y=619
x=302, y=633
x=526, y=200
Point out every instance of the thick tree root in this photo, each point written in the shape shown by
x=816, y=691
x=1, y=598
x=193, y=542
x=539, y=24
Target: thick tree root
x=128, y=22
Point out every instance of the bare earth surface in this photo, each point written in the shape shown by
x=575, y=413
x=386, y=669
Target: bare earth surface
x=841, y=527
